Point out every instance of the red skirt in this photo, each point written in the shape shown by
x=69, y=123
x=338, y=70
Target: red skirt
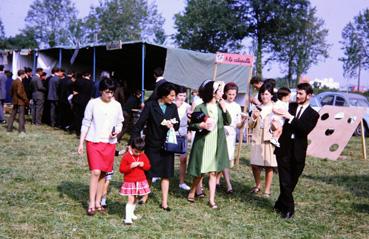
x=100, y=156
x=135, y=188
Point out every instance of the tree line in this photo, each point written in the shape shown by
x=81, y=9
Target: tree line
x=284, y=31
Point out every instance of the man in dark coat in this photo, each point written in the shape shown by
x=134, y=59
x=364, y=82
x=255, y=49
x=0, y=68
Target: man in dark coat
x=20, y=101
x=300, y=121
x=38, y=97
x=159, y=80
x=52, y=96
x=82, y=93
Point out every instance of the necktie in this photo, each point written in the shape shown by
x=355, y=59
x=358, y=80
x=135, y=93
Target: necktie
x=299, y=113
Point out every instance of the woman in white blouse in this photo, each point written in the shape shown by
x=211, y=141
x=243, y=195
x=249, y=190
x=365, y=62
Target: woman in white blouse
x=101, y=123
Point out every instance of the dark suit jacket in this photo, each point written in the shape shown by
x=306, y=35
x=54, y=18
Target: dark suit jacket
x=154, y=96
x=38, y=89
x=152, y=116
x=85, y=90
x=300, y=128
x=53, y=88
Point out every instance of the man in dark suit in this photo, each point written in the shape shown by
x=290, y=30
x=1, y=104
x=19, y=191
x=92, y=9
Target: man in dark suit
x=52, y=96
x=38, y=97
x=159, y=80
x=300, y=121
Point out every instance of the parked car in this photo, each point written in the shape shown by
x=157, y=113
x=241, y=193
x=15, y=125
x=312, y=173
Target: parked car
x=343, y=99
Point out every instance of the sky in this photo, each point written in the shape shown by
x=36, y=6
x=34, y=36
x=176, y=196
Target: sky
x=335, y=13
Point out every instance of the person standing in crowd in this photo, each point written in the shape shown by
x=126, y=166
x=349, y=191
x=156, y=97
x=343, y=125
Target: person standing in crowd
x=262, y=151
x=291, y=154
x=159, y=116
x=102, y=121
x=159, y=80
x=27, y=87
x=133, y=102
x=238, y=120
x=9, y=81
x=19, y=100
x=53, y=97
x=82, y=93
x=133, y=165
x=209, y=150
x=2, y=93
x=65, y=90
x=38, y=97
x=183, y=110
x=256, y=83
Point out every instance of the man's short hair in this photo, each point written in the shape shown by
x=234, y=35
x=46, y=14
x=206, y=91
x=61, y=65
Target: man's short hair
x=39, y=70
x=158, y=71
x=306, y=87
x=255, y=80
x=20, y=72
x=27, y=69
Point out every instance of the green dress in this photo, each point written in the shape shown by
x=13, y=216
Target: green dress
x=209, y=150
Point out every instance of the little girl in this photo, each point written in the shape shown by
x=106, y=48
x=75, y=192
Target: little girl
x=133, y=165
x=238, y=120
x=280, y=107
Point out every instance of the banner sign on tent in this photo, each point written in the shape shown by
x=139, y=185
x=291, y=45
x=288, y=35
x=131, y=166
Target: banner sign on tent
x=234, y=59
x=114, y=45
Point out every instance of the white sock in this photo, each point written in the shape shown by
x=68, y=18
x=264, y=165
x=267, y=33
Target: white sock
x=129, y=212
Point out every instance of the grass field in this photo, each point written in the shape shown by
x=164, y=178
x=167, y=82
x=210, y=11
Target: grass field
x=44, y=189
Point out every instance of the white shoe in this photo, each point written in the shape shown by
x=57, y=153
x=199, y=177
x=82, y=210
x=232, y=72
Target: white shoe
x=184, y=187
x=275, y=142
x=154, y=179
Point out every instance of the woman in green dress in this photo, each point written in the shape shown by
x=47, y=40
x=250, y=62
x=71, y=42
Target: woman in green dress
x=209, y=150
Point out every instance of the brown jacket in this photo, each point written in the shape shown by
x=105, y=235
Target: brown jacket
x=19, y=96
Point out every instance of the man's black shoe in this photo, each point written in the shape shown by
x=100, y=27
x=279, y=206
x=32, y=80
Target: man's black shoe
x=287, y=215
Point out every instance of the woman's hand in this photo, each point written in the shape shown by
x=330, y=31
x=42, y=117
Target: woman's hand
x=202, y=125
x=80, y=149
x=113, y=135
x=169, y=124
x=255, y=114
x=287, y=115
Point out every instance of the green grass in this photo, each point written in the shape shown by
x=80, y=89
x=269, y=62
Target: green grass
x=44, y=191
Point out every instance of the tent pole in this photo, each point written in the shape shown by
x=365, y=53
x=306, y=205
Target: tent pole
x=94, y=64
x=245, y=110
x=60, y=58
x=143, y=73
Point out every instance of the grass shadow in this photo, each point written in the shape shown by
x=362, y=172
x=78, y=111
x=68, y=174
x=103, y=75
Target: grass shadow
x=79, y=192
x=356, y=184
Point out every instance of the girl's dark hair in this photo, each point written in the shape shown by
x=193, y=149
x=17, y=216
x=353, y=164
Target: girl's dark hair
x=138, y=143
x=230, y=86
x=207, y=92
x=265, y=87
x=181, y=89
x=107, y=84
x=165, y=89
x=282, y=92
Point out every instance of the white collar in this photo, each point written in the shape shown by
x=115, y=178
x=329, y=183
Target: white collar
x=159, y=79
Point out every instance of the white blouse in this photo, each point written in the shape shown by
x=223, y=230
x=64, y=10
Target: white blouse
x=100, y=118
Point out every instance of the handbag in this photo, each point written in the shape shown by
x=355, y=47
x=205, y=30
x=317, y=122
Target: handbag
x=198, y=117
x=178, y=147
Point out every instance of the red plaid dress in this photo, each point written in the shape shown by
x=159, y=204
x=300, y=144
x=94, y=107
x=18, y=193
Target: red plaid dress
x=135, y=182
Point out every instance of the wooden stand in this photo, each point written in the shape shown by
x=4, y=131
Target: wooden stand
x=363, y=145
